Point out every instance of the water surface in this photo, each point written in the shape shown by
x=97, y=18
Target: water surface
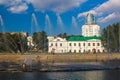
x=78, y=75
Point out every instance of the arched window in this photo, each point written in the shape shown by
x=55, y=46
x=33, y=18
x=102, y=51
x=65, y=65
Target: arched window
x=56, y=44
x=88, y=50
x=93, y=44
x=79, y=50
x=103, y=50
x=88, y=44
x=69, y=44
x=83, y=44
x=74, y=44
x=74, y=51
x=51, y=44
x=79, y=44
x=60, y=44
x=98, y=50
x=84, y=50
x=98, y=44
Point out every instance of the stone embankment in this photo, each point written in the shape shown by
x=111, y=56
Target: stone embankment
x=60, y=58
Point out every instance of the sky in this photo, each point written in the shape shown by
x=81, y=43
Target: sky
x=55, y=16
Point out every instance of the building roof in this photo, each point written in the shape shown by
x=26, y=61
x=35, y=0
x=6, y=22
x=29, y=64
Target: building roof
x=82, y=38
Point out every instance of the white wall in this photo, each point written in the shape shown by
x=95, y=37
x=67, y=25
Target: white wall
x=74, y=46
x=91, y=30
x=58, y=44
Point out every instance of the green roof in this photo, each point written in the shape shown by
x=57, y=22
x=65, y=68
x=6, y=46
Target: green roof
x=82, y=38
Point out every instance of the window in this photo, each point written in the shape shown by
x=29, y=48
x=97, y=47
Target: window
x=74, y=51
x=62, y=51
x=98, y=50
x=51, y=44
x=83, y=44
x=93, y=44
x=98, y=44
x=69, y=44
x=88, y=44
x=79, y=44
x=103, y=50
x=84, y=50
x=58, y=39
x=60, y=44
x=74, y=44
x=88, y=50
x=56, y=44
x=70, y=51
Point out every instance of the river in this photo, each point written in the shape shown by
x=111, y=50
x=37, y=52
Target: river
x=77, y=75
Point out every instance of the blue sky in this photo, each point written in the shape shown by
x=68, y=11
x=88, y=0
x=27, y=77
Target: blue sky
x=56, y=16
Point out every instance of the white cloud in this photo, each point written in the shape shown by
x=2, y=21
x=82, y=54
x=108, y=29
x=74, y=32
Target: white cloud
x=109, y=9
x=14, y=6
x=18, y=8
x=114, y=16
x=58, y=6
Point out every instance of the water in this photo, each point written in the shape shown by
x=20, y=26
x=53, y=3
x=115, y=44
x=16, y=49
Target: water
x=1, y=23
x=48, y=25
x=107, y=74
x=74, y=25
x=60, y=25
x=80, y=75
x=34, y=24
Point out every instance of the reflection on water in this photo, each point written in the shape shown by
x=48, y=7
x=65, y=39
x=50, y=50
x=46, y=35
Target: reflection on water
x=80, y=75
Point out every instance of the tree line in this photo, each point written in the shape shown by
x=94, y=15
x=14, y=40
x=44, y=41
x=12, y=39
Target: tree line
x=13, y=42
x=17, y=42
x=111, y=37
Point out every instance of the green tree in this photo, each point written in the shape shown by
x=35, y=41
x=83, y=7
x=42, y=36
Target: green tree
x=64, y=35
x=40, y=41
x=110, y=37
x=20, y=41
x=13, y=42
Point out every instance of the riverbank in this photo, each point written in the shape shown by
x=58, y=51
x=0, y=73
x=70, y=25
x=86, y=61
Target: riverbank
x=59, y=58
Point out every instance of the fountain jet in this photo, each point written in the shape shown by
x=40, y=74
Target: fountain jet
x=34, y=23
x=48, y=25
x=74, y=25
x=60, y=24
x=2, y=24
x=74, y=22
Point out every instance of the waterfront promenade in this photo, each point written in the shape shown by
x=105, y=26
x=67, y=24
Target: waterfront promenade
x=60, y=58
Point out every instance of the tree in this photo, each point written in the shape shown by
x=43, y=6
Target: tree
x=64, y=35
x=110, y=37
x=20, y=41
x=13, y=42
x=40, y=41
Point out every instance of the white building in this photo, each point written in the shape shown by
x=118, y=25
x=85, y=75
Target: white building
x=30, y=41
x=57, y=45
x=90, y=41
x=90, y=28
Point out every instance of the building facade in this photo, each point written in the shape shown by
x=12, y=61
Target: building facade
x=90, y=41
x=30, y=41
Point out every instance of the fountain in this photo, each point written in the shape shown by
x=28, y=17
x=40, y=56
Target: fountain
x=29, y=64
x=48, y=25
x=2, y=24
x=74, y=25
x=34, y=24
x=60, y=24
x=4, y=34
